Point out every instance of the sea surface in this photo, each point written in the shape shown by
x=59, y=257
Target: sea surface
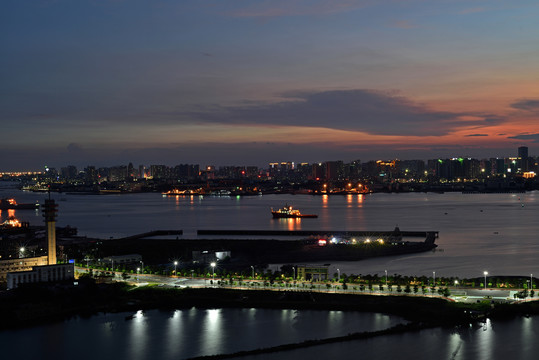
x=497, y=233
x=183, y=334
x=494, y=340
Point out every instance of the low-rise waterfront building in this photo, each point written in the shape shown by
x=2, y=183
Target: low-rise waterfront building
x=313, y=272
x=41, y=274
x=22, y=264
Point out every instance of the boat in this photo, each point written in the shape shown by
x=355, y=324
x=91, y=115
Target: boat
x=11, y=204
x=187, y=192
x=289, y=212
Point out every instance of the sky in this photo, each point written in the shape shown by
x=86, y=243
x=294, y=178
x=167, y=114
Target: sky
x=248, y=82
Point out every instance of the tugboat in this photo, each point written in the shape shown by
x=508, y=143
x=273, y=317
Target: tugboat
x=288, y=212
x=11, y=204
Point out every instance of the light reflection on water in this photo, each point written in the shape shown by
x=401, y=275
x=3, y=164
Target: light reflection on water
x=185, y=333
x=512, y=339
x=212, y=331
x=137, y=336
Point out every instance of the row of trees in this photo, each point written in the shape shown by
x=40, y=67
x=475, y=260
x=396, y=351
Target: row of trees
x=287, y=275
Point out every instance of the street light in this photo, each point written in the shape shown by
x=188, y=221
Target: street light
x=142, y=267
x=138, y=270
x=531, y=282
x=213, y=270
x=386, y=276
x=175, y=264
x=434, y=279
x=338, y=275
x=293, y=273
x=253, y=271
x=485, y=273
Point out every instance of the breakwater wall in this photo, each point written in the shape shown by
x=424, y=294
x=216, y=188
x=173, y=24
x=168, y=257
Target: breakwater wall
x=383, y=234
x=153, y=233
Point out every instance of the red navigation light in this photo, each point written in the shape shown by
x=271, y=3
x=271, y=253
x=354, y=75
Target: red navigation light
x=322, y=242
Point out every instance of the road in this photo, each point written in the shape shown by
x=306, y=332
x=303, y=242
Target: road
x=458, y=294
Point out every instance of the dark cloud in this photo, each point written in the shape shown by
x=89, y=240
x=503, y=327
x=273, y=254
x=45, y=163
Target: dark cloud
x=374, y=112
x=533, y=137
x=527, y=104
x=74, y=148
x=476, y=135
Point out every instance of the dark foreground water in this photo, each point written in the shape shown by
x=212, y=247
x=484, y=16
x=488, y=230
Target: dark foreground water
x=514, y=339
x=182, y=334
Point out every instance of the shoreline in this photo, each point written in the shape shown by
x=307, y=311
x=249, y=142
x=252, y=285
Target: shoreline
x=38, y=305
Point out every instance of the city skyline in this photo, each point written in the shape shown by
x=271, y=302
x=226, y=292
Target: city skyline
x=237, y=82
x=522, y=154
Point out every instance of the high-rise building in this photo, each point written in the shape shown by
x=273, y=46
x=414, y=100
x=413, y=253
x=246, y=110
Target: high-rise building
x=523, y=159
x=91, y=174
x=523, y=152
x=69, y=172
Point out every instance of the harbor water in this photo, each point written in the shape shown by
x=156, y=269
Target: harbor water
x=497, y=233
x=183, y=334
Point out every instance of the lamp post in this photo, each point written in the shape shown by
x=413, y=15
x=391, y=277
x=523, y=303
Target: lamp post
x=434, y=279
x=338, y=275
x=142, y=267
x=175, y=264
x=253, y=271
x=112, y=261
x=213, y=270
x=386, y=276
x=21, y=252
x=485, y=273
x=531, y=282
x=138, y=278
x=293, y=273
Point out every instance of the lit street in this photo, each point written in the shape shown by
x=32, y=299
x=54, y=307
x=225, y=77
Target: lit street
x=465, y=295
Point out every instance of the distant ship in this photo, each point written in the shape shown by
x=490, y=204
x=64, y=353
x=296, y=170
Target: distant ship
x=11, y=204
x=188, y=192
x=288, y=212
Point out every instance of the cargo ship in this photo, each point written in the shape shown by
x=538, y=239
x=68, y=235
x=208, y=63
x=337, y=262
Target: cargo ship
x=289, y=212
x=11, y=204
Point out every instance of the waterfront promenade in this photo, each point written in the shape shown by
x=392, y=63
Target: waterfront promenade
x=459, y=294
